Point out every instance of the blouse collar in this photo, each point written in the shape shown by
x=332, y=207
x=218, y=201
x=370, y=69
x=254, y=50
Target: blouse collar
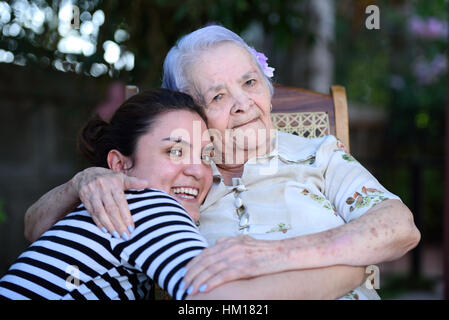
x=287, y=147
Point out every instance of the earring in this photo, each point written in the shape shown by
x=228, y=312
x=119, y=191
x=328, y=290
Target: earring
x=271, y=107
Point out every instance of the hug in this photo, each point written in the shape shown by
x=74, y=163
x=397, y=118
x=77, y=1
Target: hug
x=159, y=209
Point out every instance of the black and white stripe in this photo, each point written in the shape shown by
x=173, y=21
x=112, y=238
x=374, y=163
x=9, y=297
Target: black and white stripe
x=75, y=260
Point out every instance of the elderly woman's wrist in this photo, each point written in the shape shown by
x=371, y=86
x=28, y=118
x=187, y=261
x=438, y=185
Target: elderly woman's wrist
x=286, y=252
x=71, y=187
x=295, y=253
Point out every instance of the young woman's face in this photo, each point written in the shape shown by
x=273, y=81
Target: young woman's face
x=233, y=91
x=170, y=156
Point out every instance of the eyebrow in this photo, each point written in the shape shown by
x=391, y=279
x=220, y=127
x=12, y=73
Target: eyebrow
x=215, y=88
x=219, y=87
x=177, y=140
x=248, y=75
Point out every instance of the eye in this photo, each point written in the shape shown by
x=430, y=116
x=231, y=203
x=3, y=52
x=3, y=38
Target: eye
x=207, y=155
x=218, y=97
x=250, y=82
x=175, y=152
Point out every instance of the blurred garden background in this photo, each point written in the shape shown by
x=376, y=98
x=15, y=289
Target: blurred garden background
x=62, y=60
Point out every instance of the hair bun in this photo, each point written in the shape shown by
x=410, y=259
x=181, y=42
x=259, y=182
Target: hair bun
x=90, y=140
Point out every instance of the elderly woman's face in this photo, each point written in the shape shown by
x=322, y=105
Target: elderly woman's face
x=235, y=95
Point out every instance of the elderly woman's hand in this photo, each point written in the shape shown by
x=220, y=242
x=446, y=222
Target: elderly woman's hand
x=233, y=258
x=101, y=192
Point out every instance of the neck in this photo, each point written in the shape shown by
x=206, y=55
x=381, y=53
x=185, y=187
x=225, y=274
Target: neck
x=233, y=159
x=234, y=152
x=230, y=171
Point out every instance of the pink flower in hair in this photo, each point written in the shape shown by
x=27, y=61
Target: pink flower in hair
x=268, y=71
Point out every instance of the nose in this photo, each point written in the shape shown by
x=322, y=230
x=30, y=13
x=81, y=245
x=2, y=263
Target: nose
x=195, y=167
x=242, y=102
x=196, y=171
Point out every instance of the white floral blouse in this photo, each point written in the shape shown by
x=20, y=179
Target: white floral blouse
x=303, y=186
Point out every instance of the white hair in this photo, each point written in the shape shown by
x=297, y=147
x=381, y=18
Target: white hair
x=188, y=48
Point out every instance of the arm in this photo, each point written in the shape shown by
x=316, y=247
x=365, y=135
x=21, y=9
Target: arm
x=156, y=230
x=311, y=284
x=101, y=192
x=49, y=209
x=164, y=241
x=384, y=233
x=379, y=228
x=174, y=231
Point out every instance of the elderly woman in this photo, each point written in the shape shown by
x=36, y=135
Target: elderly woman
x=278, y=202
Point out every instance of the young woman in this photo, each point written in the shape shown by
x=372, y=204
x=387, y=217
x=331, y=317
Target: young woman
x=148, y=138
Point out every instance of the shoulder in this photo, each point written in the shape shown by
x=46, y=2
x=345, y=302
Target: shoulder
x=296, y=148
x=147, y=202
x=134, y=196
x=148, y=193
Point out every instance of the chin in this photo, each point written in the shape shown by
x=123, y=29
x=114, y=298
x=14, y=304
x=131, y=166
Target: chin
x=252, y=145
x=193, y=213
x=195, y=216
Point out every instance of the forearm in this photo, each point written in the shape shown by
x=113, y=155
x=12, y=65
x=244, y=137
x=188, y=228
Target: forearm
x=384, y=233
x=49, y=209
x=312, y=284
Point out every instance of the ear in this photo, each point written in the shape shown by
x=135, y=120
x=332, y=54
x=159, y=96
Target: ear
x=118, y=162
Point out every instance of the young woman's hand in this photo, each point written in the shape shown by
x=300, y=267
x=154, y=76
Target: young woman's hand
x=101, y=191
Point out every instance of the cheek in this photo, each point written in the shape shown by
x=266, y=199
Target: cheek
x=265, y=102
x=168, y=169
x=159, y=171
x=207, y=182
x=144, y=172
x=263, y=97
x=217, y=121
x=207, y=173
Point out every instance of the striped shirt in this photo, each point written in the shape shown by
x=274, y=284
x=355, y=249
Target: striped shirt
x=76, y=260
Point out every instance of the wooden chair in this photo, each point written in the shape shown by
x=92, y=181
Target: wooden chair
x=311, y=114
x=304, y=112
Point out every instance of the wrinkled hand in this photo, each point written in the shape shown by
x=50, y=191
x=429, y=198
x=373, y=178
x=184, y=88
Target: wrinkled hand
x=101, y=192
x=232, y=258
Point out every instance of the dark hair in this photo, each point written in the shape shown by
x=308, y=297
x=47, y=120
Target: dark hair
x=132, y=119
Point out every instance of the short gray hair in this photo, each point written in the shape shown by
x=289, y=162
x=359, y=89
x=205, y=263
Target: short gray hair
x=184, y=52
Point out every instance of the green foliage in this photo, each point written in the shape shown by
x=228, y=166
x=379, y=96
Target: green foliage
x=392, y=67
x=2, y=213
x=402, y=68
x=396, y=285
x=153, y=26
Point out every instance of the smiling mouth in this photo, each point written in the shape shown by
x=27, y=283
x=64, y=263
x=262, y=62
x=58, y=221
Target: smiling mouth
x=245, y=123
x=186, y=193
